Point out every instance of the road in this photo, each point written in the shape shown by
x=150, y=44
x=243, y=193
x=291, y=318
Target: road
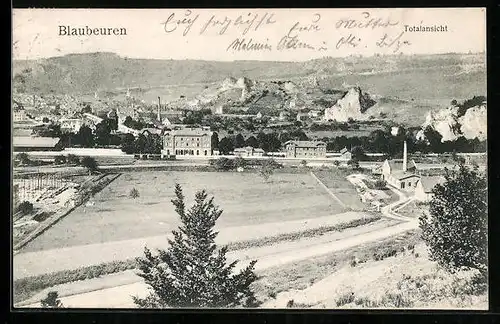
x=120, y=296
x=27, y=264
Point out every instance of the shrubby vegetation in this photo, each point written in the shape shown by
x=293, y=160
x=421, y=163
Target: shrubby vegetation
x=51, y=301
x=456, y=229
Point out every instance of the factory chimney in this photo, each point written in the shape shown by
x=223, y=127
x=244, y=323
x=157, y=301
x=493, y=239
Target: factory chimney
x=159, y=109
x=405, y=157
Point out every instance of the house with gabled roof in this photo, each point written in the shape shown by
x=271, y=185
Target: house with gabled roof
x=423, y=191
x=345, y=154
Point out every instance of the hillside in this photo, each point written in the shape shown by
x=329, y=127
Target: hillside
x=404, y=87
x=83, y=73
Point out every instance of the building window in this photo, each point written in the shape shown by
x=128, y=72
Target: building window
x=409, y=184
x=198, y=144
x=197, y=152
x=402, y=185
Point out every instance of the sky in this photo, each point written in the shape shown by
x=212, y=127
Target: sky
x=214, y=34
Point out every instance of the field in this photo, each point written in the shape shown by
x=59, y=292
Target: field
x=335, y=180
x=246, y=199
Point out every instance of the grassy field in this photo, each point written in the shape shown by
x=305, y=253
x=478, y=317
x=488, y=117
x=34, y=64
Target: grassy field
x=245, y=198
x=335, y=180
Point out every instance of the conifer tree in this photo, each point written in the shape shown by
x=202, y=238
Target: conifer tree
x=193, y=271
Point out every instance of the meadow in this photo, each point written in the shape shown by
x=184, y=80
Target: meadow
x=335, y=180
x=245, y=198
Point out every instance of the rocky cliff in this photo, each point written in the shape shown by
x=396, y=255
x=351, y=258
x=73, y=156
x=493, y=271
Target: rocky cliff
x=353, y=105
x=452, y=123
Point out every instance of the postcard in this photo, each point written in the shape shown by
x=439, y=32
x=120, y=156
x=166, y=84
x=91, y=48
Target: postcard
x=249, y=158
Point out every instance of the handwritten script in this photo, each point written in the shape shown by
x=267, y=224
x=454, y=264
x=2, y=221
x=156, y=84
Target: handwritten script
x=312, y=32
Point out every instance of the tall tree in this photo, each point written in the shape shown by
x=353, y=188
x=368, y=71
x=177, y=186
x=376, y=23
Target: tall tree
x=102, y=133
x=215, y=140
x=226, y=146
x=239, y=141
x=193, y=270
x=128, y=144
x=252, y=141
x=456, y=230
x=85, y=136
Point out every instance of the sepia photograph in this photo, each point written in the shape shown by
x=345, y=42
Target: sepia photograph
x=249, y=159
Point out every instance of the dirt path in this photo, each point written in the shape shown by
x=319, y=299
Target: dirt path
x=40, y=262
x=117, y=297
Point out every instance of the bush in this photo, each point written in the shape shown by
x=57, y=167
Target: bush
x=23, y=158
x=90, y=163
x=397, y=300
x=386, y=253
x=60, y=159
x=25, y=287
x=344, y=299
x=366, y=302
x=134, y=193
x=72, y=159
x=25, y=208
x=380, y=184
x=51, y=301
x=240, y=162
x=224, y=164
x=456, y=231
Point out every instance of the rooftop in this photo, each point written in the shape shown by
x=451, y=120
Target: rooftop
x=397, y=164
x=401, y=175
x=33, y=141
x=428, y=183
x=306, y=143
x=190, y=132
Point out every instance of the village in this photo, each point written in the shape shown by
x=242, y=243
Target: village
x=53, y=178
x=208, y=177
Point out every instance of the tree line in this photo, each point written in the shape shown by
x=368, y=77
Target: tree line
x=379, y=141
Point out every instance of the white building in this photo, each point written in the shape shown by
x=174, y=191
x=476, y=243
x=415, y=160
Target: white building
x=19, y=115
x=71, y=124
x=248, y=151
x=400, y=175
x=187, y=142
x=423, y=191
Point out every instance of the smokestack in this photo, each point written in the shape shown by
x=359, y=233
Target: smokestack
x=405, y=157
x=159, y=108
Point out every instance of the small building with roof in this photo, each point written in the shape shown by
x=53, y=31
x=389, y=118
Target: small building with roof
x=248, y=151
x=423, y=191
x=187, y=142
x=399, y=174
x=34, y=143
x=305, y=149
x=345, y=154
